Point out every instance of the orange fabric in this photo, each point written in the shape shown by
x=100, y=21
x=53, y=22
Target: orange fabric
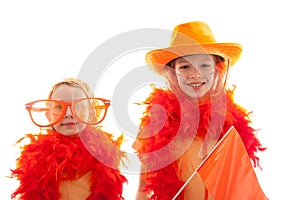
x=77, y=189
x=192, y=38
x=228, y=174
x=52, y=158
x=156, y=133
x=187, y=164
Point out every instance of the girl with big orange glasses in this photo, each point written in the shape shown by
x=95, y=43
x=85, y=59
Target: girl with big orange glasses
x=74, y=159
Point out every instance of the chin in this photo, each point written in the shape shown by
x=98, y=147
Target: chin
x=71, y=131
x=68, y=133
x=197, y=94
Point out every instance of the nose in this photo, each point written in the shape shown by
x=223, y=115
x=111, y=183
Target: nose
x=68, y=112
x=195, y=73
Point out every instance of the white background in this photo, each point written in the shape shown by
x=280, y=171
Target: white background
x=42, y=42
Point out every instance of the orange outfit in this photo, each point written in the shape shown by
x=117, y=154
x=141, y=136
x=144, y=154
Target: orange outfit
x=77, y=189
x=164, y=172
x=57, y=167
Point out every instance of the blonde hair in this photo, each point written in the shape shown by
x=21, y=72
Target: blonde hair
x=75, y=83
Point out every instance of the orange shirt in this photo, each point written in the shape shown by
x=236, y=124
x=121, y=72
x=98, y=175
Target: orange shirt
x=78, y=189
x=187, y=164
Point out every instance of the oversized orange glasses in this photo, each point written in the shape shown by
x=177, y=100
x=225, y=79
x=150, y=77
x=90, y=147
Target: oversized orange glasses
x=49, y=112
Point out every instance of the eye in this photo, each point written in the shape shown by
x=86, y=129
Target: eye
x=205, y=65
x=184, y=67
x=58, y=107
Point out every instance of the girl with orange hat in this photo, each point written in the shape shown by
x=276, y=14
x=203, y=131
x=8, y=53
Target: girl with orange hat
x=73, y=159
x=185, y=121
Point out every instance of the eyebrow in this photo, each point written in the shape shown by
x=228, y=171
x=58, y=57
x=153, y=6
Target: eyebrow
x=182, y=60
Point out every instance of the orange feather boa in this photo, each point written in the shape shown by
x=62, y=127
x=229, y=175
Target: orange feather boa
x=156, y=133
x=51, y=158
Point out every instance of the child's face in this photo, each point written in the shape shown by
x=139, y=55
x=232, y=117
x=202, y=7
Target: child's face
x=68, y=125
x=195, y=74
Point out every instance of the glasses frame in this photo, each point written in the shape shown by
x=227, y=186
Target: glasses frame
x=29, y=108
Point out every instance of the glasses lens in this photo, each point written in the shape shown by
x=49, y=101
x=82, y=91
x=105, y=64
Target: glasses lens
x=46, y=112
x=90, y=111
x=56, y=110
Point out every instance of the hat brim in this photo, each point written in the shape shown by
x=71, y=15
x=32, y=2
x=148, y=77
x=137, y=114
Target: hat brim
x=157, y=59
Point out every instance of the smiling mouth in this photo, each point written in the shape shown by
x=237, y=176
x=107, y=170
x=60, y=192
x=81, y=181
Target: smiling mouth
x=195, y=85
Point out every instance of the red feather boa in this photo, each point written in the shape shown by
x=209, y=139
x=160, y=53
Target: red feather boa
x=51, y=158
x=155, y=133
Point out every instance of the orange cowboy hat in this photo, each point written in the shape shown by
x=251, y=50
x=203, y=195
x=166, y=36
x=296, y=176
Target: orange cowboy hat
x=192, y=38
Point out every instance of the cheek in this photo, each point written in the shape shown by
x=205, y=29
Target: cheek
x=181, y=77
x=212, y=75
x=210, y=78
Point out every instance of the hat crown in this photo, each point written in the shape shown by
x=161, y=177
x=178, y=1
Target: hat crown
x=189, y=39
x=195, y=32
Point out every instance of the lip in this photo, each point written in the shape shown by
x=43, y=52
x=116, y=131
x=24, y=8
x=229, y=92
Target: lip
x=196, y=85
x=68, y=124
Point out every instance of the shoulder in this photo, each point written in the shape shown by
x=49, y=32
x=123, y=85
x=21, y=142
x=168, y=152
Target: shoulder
x=98, y=135
x=160, y=95
x=36, y=139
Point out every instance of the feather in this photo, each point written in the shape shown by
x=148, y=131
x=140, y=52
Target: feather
x=51, y=158
x=164, y=119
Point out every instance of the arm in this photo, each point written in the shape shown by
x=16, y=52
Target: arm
x=141, y=195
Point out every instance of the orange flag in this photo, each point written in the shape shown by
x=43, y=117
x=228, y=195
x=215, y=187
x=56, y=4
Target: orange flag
x=228, y=173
